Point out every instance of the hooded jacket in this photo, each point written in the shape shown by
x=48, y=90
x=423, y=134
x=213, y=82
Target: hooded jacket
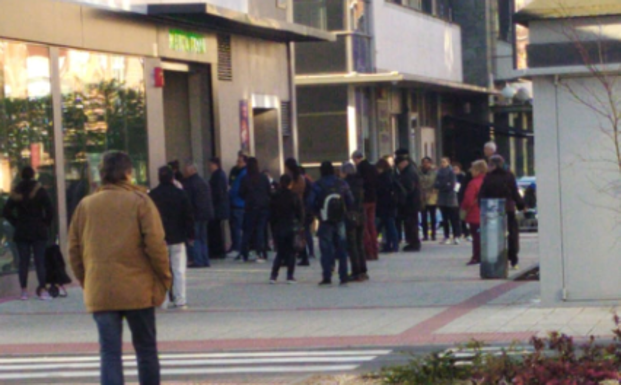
x=30, y=211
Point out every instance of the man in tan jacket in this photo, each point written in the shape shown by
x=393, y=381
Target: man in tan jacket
x=118, y=254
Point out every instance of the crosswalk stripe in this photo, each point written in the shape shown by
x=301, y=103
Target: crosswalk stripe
x=177, y=372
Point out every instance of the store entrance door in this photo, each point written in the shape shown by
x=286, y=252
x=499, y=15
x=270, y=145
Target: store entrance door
x=177, y=116
x=266, y=139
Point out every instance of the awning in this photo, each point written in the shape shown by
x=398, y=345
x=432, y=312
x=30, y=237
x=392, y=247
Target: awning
x=229, y=21
x=499, y=129
x=395, y=78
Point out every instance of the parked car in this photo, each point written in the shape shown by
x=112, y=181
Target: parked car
x=528, y=219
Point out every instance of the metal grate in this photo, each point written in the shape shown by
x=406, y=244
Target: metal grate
x=285, y=116
x=225, y=58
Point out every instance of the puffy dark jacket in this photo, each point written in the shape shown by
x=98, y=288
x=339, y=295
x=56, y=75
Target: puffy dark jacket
x=319, y=190
x=369, y=175
x=408, y=185
x=256, y=191
x=236, y=177
x=199, y=193
x=220, y=195
x=286, y=210
x=386, y=199
x=501, y=184
x=30, y=211
x=176, y=212
x=445, y=183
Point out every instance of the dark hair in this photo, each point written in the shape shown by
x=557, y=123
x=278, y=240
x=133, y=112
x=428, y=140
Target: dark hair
x=166, y=174
x=115, y=167
x=215, y=160
x=28, y=173
x=253, y=166
x=427, y=158
x=174, y=165
x=327, y=168
x=292, y=165
x=383, y=165
x=457, y=164
x=285, y=181
x=402, y=152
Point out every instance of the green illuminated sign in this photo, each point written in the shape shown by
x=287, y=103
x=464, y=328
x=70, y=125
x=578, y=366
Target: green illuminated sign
x=184, y=41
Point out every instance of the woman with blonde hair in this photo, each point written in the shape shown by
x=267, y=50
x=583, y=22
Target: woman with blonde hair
x=471, y=210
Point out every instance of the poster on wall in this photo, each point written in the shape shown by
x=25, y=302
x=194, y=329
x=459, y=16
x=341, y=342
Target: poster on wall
x=244, y=126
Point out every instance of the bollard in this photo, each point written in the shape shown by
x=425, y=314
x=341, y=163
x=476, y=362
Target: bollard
x=493, y=239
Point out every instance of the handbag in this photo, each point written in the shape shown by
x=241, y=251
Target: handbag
x=463, y=214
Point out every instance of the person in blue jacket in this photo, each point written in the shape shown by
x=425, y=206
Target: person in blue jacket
x=238, y=206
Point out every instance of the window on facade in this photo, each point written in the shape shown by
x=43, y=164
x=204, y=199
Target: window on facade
x=505, y=20
x=439, y=8
x=328, y=15
x=322, y=57
x=26, y=130
x=103, y=109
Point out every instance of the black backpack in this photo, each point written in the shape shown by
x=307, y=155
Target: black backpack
x=332, y=206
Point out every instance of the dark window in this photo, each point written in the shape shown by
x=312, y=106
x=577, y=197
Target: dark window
x=323, y=14
x=324, y=57
x=505, y=15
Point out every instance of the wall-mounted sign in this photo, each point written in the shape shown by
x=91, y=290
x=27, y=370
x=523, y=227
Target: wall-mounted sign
x=184, y=41
x=244, y=125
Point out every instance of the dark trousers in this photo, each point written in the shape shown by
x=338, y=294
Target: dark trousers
x=388, y=227
x=255, y=222
x=142, y=325
x=285, y=255
x=216, y=239
x=399, y=224
x=476, y=241
x=370, y=233
x=355, y=249
x=514, y=237
x=236, y=224
x=333, y=247
x=450, y=217
x=26, y=250
x=465, y=229
x=429, y=217
x=200, y=249
x=411, y=231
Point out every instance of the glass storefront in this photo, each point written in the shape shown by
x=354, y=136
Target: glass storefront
x=103, y=109
x=26, y=129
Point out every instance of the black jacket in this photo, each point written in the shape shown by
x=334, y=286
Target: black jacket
x=30, y=211
x=386, y=200
x=176, y=212
x=408, y=185
x=501, y=184
x=199, y=193
x=286, y=211
x=355, y=215
x=256, y=191
x=220, y=195
x=369, y=174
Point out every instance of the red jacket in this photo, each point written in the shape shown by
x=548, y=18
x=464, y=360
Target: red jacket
x=471, y=200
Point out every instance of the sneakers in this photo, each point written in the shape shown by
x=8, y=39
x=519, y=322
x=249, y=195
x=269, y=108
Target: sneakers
x=447, y=241
x=291, y=281
x=180, y=307
x=260, y=260
x=456, y=242
x=272, y=281
x=515, y=267
x=343, y=284
x=473, y=262
x=24, y=296
x=325, y=283
x=45, y=296
x=412, y=248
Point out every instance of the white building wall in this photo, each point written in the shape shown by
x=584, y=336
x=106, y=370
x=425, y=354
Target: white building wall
x=415, y=43
x=137, y=5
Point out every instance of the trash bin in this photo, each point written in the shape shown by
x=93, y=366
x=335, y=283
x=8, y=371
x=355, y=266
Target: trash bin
x=493, y=239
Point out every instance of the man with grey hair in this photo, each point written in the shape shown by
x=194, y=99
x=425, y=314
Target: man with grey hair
x=199, y=193
x=489, y=150
x=369, y=175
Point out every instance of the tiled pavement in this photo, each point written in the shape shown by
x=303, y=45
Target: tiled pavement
x=412, y=299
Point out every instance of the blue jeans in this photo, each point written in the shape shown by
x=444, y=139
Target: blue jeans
x=388, y=226
x=237, y=222
x=142, y=325
x=200, y=251
x=255, y=222
x=333, y=245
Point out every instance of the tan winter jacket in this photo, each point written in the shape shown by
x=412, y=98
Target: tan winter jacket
x=117, y=250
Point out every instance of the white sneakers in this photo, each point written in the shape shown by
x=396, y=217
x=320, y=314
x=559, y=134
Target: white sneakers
x=24, y=296
x=450, y=241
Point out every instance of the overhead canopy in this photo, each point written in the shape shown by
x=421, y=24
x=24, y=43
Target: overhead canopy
x=499, y=129
x=395, y=78
x=564, y=9
x=229, y=21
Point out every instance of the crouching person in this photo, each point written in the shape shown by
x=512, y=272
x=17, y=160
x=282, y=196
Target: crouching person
x=118, y=254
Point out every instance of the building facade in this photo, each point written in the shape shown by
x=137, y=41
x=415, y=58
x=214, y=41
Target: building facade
x=174, y=81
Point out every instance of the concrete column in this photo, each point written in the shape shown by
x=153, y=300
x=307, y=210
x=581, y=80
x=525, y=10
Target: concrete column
x=155, y=121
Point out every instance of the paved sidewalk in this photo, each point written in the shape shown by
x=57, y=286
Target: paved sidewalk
x=411, y=299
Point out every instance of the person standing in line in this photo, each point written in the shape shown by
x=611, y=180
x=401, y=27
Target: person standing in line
x=354, y=224
x=175, y=210
x=286, y=215
x=238, y=206
x=255, y=190
x=330, y=199
x=470, y=206
x=309, y=220
x=409, y=200
x=298, y=187
x=222, y=208
x=30, y=211
x=429, y=198
x=489, y=150
x=369, y=175
x=199, y=193
x=500, y=183
x=447, y=202
x=462, y=180
x=387, y=207
x=118, y=253
x=174, y=165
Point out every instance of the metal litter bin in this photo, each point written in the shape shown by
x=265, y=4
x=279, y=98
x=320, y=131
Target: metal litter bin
x=494, y=253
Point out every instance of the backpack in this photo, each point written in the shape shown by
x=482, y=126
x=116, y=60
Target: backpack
x=333, y=206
